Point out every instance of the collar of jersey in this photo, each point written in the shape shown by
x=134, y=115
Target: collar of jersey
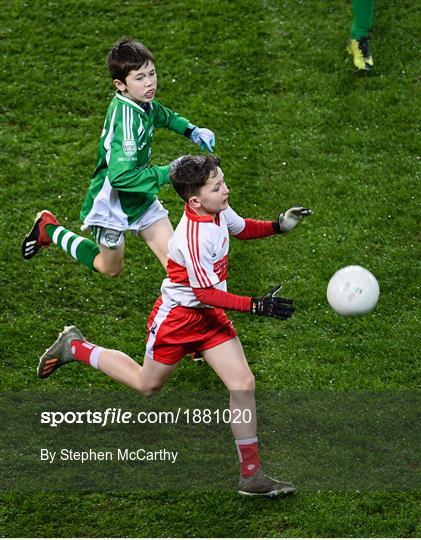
x=191, y=214
x=131, y=103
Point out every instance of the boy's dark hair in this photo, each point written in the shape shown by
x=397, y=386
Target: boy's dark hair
x=191, y=173
x=127, y=55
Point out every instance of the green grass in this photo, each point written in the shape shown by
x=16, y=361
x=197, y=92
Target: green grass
x=294, y=125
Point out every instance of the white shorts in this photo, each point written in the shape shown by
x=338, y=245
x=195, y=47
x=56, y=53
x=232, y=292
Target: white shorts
x=112, y=238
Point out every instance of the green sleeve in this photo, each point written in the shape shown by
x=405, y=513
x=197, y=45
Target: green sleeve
x=147, y=181
x=164, y=117
x=124, y=172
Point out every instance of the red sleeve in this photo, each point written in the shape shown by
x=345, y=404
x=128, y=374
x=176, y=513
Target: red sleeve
x=216, y=298
x=256, y=229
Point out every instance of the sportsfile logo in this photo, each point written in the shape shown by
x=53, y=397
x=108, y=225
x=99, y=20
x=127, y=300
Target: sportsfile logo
x=115, y=415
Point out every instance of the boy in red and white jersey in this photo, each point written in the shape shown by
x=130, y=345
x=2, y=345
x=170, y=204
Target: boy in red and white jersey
x=189, y=314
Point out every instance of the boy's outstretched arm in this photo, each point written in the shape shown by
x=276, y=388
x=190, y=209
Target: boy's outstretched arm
x=165, y=117
x=267, y=305
x=284, y=223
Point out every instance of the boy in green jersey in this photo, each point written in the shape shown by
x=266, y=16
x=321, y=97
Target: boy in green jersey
x=122, y=193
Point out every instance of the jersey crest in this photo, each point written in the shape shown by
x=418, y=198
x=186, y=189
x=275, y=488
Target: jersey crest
x=129, y=147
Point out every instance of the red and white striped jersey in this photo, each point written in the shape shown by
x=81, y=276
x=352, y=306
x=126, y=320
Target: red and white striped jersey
x=198, y=256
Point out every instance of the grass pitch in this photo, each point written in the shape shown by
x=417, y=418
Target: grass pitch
x=294, y=125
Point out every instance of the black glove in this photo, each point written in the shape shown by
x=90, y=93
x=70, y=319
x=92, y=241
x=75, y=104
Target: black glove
x=272, y=306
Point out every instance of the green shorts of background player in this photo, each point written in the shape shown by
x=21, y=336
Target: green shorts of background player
x=358, y=44
x=122, y=195
x=189, y=315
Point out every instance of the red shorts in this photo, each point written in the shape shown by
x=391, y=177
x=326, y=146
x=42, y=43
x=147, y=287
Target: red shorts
x=175, y=332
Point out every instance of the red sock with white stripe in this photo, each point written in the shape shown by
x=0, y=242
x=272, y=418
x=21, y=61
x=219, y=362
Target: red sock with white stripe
x=248, y=452
x=86, y=352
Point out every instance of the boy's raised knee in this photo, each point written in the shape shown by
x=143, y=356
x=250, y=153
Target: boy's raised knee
x=110, y=266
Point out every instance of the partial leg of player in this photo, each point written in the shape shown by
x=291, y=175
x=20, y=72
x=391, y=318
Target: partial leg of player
x=157, y=237
x=230, y=364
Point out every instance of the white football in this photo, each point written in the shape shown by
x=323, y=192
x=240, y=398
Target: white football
x=352, y=291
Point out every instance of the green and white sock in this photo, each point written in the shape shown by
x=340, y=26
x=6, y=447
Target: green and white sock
x=80, y=248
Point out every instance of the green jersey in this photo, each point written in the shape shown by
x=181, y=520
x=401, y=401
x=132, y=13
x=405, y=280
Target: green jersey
x=123, y=185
